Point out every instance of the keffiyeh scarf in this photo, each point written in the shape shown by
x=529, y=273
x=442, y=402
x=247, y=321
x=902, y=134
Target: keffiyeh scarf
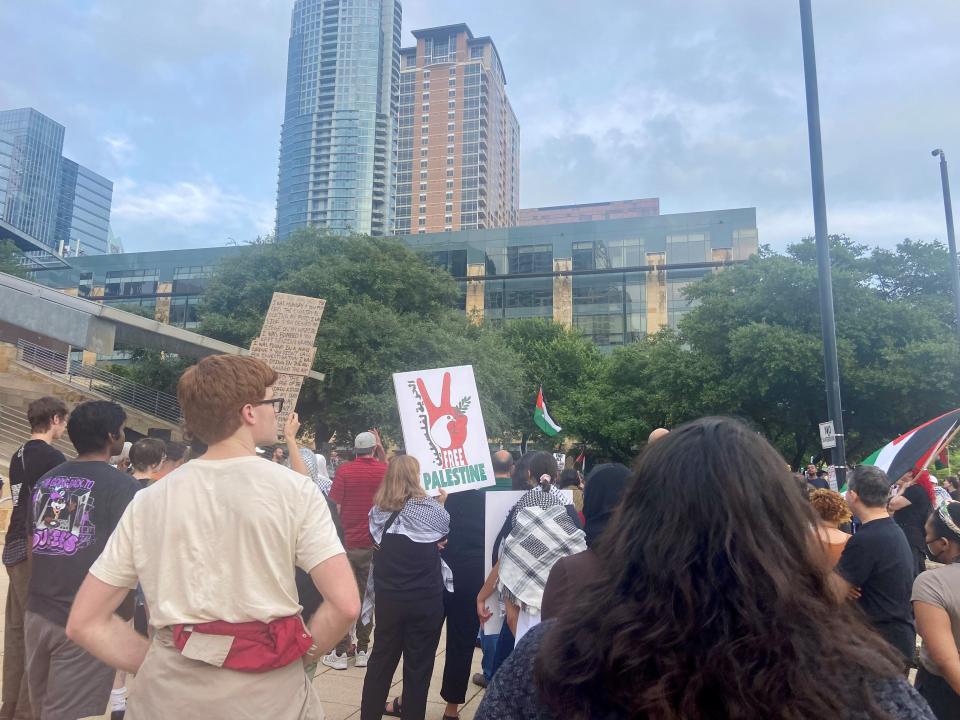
x=423, y=520
x=541, y=533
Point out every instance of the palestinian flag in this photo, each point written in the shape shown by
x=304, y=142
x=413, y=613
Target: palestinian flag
x=915, y=448
x=542, y=418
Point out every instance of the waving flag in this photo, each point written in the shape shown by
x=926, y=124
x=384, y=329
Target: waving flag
x=542, y=418
x=914, y=449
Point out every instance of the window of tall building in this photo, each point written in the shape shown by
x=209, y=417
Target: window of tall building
x=476, y=52
x=184, y=312
x=453, y=70
x=625, y=252
x=126, y=283
x=689, y=248
x=191, y=278
x=453, y=261
x=583, y=256
x=530, y=258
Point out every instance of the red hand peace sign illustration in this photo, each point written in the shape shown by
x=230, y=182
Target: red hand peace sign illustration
x=446, y=424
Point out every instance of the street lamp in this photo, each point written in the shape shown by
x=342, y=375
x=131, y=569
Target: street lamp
x=831, y=369
x=951, y=240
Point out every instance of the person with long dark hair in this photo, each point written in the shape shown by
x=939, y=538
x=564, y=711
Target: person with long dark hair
x=605, y=489
x=711, y=602
x=936, y=604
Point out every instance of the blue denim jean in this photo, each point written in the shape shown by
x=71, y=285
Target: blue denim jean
x=488, y=645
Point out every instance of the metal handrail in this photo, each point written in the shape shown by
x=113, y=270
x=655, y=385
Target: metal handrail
x=103, y=382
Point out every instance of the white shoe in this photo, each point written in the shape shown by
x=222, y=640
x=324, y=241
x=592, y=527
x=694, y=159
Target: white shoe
x=335, y=661
x=361, y=658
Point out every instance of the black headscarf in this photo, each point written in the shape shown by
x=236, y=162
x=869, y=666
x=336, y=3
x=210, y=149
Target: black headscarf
x=605, y=486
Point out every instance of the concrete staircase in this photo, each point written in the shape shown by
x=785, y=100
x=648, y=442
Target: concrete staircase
x=20, y=385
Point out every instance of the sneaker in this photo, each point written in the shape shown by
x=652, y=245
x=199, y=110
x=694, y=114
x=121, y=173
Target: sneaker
x=335, y=661
x=479, y=679
x=361, y=658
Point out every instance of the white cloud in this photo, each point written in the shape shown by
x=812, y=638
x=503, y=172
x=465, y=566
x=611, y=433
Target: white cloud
x=189, y=203
x=120, y=147
x=878, y=223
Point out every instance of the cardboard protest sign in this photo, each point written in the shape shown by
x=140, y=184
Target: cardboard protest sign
x=286, y=345
x=497, y=506
x=448, y=438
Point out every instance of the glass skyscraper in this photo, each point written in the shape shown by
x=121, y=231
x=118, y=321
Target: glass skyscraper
x=58, y=203
x=83, y=216
x=32, y=187
x=338, y=142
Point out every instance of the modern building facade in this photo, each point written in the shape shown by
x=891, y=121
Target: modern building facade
x=338, y=141
x=616, y=280
x=83, y=214
x=587, y=212
x=458, y=161
x=33, y=183
x=56, y=203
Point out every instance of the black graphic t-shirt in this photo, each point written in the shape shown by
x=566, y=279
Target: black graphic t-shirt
x=31, y=461
x=76, y=507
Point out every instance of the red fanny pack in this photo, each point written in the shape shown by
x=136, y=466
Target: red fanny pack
x=255, y=646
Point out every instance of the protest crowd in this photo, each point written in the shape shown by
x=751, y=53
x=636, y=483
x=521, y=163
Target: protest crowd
x=705, y=581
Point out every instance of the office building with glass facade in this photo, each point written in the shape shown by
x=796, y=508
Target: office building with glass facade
x=59, y=205
x=33, y=181
x=458, y=155
x=338, y=141
x=616, y=280
x=83, y=215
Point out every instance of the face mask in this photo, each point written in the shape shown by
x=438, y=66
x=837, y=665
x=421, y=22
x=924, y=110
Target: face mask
x=931, y=555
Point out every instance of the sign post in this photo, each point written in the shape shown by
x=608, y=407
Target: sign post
x=443, y=428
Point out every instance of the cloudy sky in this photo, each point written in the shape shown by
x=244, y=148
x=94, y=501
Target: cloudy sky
x=698, y=102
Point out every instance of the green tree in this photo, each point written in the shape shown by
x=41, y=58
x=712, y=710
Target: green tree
x=9, y=257
x=154, y=369
x=388, y=310
x=560, y=359
x=752, y=348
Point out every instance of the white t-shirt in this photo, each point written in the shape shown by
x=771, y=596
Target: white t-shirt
x=218, y=540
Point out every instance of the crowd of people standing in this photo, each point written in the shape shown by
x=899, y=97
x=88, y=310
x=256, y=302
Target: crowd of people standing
x=703, y=582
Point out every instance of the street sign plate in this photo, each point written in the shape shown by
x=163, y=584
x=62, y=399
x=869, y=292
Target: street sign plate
x=827, y=437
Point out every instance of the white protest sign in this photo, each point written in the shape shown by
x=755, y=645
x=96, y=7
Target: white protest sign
x=443, y=428
x=828, y=438
x=497, y=506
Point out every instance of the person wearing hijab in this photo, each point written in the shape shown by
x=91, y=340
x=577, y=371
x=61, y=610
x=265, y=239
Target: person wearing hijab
x=605, y=488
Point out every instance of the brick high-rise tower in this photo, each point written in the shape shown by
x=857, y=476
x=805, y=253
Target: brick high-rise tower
x=458, y=161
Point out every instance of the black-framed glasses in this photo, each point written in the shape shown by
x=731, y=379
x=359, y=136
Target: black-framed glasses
x=276, y=402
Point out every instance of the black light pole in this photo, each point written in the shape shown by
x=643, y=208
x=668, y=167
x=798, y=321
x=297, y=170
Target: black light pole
x=827, y=323
x=951, y=240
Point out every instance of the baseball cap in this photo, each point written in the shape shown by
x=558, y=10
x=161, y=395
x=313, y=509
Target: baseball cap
x=364, y=441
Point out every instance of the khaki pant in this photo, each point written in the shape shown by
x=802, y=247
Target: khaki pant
x=15, y=689
x=170, y=685
x=360, y=560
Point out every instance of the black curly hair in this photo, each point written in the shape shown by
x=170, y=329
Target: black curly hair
x=711, y=601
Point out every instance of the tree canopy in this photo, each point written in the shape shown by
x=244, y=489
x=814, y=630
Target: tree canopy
x=9, y=257
x=388, y=310
x=750, y=347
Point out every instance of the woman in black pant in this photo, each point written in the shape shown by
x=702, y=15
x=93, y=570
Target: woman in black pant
x=408, y=581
